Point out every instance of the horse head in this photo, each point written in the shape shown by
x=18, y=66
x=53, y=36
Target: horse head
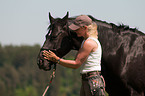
x=57, y=40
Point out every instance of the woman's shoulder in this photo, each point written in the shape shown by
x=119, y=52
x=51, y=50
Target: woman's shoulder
x=90, y=43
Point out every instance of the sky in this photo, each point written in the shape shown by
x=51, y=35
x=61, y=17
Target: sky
x=25, y=22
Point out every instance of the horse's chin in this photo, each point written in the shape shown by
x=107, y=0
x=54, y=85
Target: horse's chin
x=44, y=64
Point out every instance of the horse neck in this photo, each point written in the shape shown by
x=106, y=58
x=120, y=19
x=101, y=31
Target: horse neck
x=110, y=40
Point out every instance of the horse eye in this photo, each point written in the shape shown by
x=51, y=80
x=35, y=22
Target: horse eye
x=56, y=35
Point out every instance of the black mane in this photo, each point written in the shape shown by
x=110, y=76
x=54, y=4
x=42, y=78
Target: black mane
x=117, y=28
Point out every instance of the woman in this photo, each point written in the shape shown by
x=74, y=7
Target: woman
x=88, y=57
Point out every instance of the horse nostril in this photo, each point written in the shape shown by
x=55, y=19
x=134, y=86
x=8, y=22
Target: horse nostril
x=40, y=63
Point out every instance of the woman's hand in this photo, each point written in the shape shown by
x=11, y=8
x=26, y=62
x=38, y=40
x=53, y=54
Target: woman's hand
x=49, y=55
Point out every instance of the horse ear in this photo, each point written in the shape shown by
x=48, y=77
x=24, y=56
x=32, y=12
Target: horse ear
x=51, y=18
x=66, y=17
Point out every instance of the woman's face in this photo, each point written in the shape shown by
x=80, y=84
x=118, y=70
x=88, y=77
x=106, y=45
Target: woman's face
x=81, y=31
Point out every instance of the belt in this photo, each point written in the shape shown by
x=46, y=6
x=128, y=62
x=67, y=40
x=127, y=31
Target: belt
x=91, y=73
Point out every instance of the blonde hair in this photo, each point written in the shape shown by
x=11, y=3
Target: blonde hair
x=92, y=29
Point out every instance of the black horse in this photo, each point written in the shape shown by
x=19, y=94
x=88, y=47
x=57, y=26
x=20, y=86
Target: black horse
x=123, y=60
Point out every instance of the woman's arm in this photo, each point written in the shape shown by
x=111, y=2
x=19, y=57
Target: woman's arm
x=80, y=58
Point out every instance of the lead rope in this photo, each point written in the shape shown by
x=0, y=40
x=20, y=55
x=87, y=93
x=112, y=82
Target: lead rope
x=52, y=76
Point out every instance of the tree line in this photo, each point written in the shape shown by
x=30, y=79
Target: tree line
x=20, y=75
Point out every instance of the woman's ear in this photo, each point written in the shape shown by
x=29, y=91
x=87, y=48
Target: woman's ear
x=85, y=28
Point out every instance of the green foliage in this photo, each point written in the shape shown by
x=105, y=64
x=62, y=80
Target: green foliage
x=28, y=91
x=20, y=75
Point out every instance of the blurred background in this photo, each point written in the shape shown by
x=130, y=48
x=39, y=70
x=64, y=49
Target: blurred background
x=23, y=25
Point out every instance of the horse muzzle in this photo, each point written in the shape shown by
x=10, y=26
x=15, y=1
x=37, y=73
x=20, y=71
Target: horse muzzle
x=43, y=63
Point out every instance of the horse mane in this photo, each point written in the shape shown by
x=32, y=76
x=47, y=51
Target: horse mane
x=121, y=28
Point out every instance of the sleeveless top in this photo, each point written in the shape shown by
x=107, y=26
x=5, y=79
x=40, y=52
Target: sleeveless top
x=93, y=62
